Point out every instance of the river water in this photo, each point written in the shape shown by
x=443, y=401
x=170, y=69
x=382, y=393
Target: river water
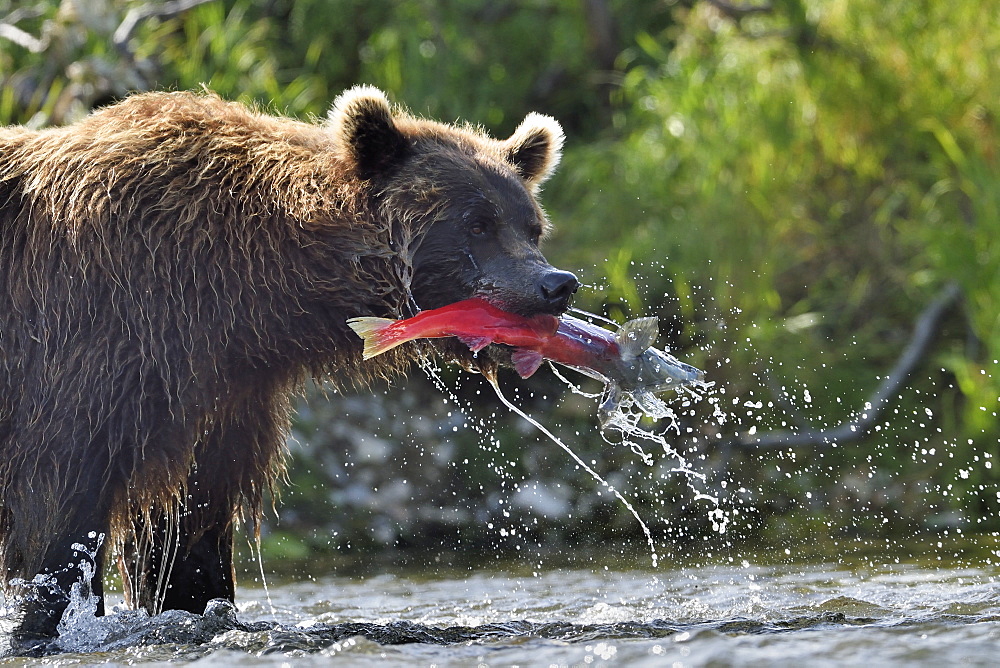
x=737, y=614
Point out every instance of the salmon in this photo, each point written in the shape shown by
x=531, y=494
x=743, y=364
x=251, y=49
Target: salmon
x=624, y=361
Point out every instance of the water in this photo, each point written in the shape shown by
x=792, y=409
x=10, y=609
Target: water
x=739, y=614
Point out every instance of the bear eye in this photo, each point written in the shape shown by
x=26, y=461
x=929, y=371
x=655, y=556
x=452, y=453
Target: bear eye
x=478, y=229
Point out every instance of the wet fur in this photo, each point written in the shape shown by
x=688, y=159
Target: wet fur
x=174, y=267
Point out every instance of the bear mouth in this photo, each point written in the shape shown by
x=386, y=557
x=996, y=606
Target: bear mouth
x=522, y=305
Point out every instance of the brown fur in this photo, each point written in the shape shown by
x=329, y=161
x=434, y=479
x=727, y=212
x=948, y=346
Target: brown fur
x=171, y=269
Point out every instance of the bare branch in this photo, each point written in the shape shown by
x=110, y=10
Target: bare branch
x=924, y=331
x=602, y=32
x=21, y=38
x=136, y=15
x=738, y=11
x=22, y=13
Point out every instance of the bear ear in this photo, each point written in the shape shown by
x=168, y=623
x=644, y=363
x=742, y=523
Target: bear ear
x=535, y=148
x=365, y=131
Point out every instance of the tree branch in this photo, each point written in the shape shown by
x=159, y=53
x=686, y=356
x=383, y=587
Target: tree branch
x=22, y=38
x=11, y=32
x=136, y=15
x=924, y=331
x=739, y=11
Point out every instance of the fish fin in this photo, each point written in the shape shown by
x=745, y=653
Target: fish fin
x=590, y=373
x=526, y=362
x=636, y=336
x=475, y=343
x=374, y=332
x=609, y=408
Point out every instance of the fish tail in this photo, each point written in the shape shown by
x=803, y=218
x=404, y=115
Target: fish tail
x=376, y=335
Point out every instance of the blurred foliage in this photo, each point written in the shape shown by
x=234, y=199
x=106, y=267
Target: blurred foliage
x=811, y=176
x=785, y=188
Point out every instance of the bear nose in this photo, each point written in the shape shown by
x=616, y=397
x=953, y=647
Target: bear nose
x=557, y=287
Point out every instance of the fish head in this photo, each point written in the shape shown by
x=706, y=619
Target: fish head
x=641, y=373
x=659, y=371
x=644, y=367
x=639, y=380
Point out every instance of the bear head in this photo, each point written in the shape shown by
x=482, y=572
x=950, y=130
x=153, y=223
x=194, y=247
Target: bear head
x=461, y=204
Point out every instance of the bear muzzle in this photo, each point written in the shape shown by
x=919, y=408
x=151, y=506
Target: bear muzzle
x=557, y=288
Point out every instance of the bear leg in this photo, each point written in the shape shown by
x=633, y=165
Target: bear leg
x=174, y=567
x=204, y=572
x=180, y=558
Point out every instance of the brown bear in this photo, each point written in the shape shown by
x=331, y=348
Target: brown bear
x=174, y=267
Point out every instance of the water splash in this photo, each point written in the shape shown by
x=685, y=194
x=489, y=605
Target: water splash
x=80, y=629
x=555, y=439
x=627, y=422
x=626, y=419
x=258, y=554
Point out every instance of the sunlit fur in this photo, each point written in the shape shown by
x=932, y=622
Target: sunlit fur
x=172, y=268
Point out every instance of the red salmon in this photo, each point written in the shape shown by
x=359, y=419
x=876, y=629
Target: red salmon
x=624, y=360
x=475, y=322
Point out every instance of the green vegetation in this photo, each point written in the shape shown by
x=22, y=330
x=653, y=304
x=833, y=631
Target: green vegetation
x=786, y=188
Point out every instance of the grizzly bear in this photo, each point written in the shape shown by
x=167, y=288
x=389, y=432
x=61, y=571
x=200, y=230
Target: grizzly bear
x=174, y=267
